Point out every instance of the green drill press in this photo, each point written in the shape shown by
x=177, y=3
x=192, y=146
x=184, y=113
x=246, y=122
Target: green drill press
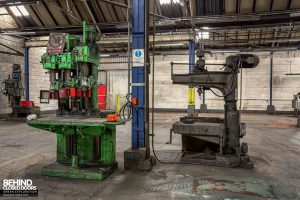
x=85, y=142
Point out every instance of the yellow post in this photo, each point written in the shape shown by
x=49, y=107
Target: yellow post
x=118, y=104
x=191, y=96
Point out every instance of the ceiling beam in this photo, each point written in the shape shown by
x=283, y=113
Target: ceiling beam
x=271, y=5
x=254, y=6
x=288, y=4
x=192, y=8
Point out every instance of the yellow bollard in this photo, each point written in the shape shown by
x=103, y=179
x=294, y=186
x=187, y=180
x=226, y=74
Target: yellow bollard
x=191, y=96
x=118, y=105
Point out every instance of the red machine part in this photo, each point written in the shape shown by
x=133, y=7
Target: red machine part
x=102, y=97
x=112, y=118
x=63, y=93
x=27, y=104
x=66, y=92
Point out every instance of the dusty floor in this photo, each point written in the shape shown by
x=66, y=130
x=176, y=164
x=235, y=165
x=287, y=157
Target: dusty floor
x=274, y=147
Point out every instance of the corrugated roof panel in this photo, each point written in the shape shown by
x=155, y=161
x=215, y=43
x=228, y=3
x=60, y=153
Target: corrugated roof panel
x=73, y=12
x=230, y=6
x=118, y=12
x=112, y=12
x=246, y=6
x=57, y=14
x=95, y=8
x=81, y=8
x=295, y=4
x=262, y=5
x=106, y=12
x=44, y=14
x=32, y=15
x=279, y=4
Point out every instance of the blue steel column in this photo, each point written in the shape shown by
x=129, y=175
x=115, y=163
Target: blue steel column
x=191, y=55
x=138, y=74
x=271, y=79
x=27, y=74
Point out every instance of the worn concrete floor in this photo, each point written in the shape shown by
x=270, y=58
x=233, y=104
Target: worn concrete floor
x=274, y=147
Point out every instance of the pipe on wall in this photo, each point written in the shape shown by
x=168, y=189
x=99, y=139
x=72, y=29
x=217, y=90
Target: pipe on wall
x=27, y=74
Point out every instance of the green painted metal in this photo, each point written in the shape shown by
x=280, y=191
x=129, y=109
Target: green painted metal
x=68, y=172
x=95, y=88
x=48, y=61
x=65, y=61
x=85, y=134
x=86, y=54
x=81, y=143
x=84, y=32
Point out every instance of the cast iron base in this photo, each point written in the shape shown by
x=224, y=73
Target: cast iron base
x=203, y=108
x=136, y=160
x=271, y=109
x=219, y=160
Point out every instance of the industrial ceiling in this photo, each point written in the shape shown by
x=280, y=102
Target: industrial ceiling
x=236, y=24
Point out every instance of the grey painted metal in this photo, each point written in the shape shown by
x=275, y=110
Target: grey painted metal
x=232, y=130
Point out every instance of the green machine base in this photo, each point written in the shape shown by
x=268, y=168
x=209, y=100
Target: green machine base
x=86, y=147
x=92, y=173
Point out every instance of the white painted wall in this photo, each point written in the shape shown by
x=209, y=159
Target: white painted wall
x=39, y=79
x=255, y=84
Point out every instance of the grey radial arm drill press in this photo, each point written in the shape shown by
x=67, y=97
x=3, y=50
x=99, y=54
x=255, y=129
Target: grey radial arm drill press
x=209, y=140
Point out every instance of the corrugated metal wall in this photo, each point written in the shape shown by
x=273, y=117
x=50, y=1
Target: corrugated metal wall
x=114, y=73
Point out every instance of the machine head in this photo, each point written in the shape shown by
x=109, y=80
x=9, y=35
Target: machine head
x=244, y=60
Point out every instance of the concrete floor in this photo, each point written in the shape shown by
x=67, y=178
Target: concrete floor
x=274, y=146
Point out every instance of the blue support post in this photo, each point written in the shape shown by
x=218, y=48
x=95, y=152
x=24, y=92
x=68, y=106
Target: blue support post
x=271, y=107
x=27, y=74
x=191, y=55
x=191, y=92
x=138, y=75
x=271, y=80
x=138, y=156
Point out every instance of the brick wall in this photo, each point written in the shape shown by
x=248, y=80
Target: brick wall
x=6, y=62
x=255, y=85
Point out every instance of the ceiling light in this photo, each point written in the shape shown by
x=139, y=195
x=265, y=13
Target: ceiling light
x=19, y=11
x=202, y=35
x=169, y=1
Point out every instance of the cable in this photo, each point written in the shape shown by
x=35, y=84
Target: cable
x=129, y=106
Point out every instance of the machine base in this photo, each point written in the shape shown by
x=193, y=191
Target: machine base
x=203, y=108
x=136, y=160
x=91, y=173
x=230, y=161
x=271, y=109
x=298, y=121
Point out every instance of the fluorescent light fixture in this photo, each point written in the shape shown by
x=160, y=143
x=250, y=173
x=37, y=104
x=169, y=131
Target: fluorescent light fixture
x=104, y=55
x=170, y=45
x=202, y=35
x=168, y=1
x=19, y=11
x=205, y=28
